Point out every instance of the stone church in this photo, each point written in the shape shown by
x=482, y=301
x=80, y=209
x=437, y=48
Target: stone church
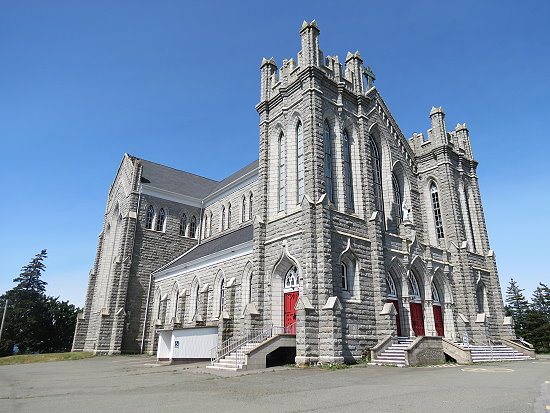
x=343, y=235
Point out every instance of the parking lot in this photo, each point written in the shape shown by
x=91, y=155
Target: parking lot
x=139, y=384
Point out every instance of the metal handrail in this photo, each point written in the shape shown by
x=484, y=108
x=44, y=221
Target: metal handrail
x=249, y=336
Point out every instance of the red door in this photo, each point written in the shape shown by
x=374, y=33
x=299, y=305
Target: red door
x=417, y=319
x=290, y=312
x=438, y=319
x=397, y=319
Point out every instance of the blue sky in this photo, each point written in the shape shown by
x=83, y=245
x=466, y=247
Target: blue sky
x=176, y=83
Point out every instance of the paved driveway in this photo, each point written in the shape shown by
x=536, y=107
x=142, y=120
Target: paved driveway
x=136, y=384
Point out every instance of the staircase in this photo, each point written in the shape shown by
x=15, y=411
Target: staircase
x=232, y=354
x=493, y=352
x=395, y=354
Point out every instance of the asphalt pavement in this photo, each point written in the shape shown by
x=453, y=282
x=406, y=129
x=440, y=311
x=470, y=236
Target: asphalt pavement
x=138, y=384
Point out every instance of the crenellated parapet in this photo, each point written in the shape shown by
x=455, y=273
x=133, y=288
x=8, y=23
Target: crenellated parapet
x=274, y=79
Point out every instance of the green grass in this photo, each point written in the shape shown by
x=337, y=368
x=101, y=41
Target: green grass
x=42, y=358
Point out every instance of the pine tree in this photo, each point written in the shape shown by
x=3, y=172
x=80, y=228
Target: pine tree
x=29, y=279
x=517, y=306
x=541, y=299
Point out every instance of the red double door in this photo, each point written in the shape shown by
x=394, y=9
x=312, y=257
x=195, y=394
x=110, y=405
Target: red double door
x=438, y=320
x=417, y=319
x=397, y=319
x=290, y=301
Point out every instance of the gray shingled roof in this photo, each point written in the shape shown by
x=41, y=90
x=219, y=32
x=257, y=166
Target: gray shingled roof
x=185, y=183
x=173, y=180
x=212, y=246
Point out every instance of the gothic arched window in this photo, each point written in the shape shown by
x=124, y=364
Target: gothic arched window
x=392, y=290
x=243, y=209
x=160, y=220
x=193, y=227
x=348, y=179
x=223, y=218
x=438, y=221
x=435, y=294
x=376, y=175
x=397, y=199
x=414, y=291
x=480, y=295
x=149, y=217
x=344, y=276
x=183, y=224
x=229, y=216
x=282, y=171
x=291, y=278
x=300, y=161
x=250, y=207
x=205, y=226
x=327, y=146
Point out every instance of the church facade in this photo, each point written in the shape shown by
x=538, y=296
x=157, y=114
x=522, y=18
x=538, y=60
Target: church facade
x=343, y=231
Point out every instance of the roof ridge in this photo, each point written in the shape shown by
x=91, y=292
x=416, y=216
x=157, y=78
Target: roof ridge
x=175, y=169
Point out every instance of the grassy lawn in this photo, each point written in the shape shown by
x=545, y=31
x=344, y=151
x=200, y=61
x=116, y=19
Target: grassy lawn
x=41, y=358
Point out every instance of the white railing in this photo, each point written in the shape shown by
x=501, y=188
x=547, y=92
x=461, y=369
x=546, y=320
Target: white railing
x=250, y=338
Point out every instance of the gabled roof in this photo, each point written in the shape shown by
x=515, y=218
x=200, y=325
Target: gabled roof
x=173, y=180
x=211, y=246
x=185, y=183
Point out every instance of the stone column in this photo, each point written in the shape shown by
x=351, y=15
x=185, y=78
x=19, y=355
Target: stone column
x=330, y=345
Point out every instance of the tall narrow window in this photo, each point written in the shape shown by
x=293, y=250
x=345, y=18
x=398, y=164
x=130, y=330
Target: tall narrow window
x=176, y=303
x=205, y=226
x=376, y=175
x=210, y=225
x=397, y=199
x=243, y=209
x=183, y=224
x=149, y=217
x=222, y=296
x=470, y=222
x=250, y=207
x=229, y=216
x=348, y=179
x=160, y=220
x=193, y=227
x=282, y=171
x=344, y=276
x=300, y=161
x=223, y=218
x=438, y=221
x=327, y=146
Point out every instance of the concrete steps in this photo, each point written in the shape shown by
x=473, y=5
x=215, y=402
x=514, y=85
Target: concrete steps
x=229, y=362
x=487, y=353
x=395, y=354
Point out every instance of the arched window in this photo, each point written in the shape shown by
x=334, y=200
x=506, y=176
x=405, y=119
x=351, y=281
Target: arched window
x=250, y=207
x=250, y=288
x=229, y=216
x=223, y=218
x=435, y=294
x=282, y=171
x=197, y=301
x=327, y=146
x=390, y=284
x=210, y=225
x=348, y=179
x=300, y=161
x=243, y=209
x=397, y=199
x=376, y=175
x=414, y=291
x=160, y=220
x=291, y=278
x=480, y=296
x=159, y=306
x=222, y=296
x=176, y=298
x=149, y=217
x=344, y=276
x=193, y=227
x=183, y=224
x=438, y=221
x=205, y=226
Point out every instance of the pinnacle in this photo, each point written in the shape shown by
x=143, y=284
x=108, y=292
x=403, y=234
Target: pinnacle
x=436, y=110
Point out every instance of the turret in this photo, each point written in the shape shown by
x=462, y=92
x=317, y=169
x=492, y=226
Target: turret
x=463, y=136
x=310, y=55
x=268, y=70
x=354, y=71
x=439, y=131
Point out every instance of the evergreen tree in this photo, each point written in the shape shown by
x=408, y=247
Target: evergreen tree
x=34, y=322
x=541, y=299
x=517, y=306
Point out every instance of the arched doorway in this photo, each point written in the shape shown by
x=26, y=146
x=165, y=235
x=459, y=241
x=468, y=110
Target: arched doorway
x=437, y=311
x=291, y=294
x=393, y=297
x=417, y=313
